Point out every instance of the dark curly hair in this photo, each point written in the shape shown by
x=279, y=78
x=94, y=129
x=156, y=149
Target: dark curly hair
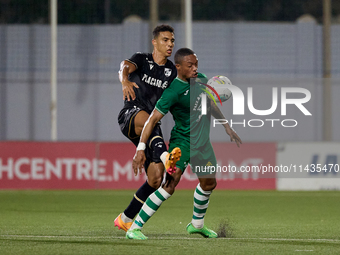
x=161, y=28
x=181, y=53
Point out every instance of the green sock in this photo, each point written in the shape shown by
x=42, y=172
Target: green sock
x=201, y=202
x=150, y=206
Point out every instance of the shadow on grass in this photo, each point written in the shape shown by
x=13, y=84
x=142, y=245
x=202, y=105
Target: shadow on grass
x=124, y=242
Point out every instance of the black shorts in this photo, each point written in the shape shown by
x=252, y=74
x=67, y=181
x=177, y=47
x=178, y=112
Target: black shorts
x=126, y=120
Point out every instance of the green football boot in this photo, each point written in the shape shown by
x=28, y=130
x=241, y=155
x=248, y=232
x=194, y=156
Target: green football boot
x=205, y=232
x=135, y=234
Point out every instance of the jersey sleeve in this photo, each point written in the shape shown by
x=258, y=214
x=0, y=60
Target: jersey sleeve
x=136, y=59
x=168, y=99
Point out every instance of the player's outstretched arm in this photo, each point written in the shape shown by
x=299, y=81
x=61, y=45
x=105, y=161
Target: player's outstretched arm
x=216, y=112
x=139, y=158
x=127, y=86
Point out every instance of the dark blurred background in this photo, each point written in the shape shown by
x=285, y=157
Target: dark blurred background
x=113, y=11
x=256, y=43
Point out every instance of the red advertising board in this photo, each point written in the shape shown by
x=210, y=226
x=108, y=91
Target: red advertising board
x=90, y=165
x=238, y=167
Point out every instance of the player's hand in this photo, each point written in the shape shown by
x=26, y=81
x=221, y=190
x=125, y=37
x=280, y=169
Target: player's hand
x=128, y=92
x=138, y=162
x=233, y=136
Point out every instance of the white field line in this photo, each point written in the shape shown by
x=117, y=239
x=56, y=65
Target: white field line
x=170, y=238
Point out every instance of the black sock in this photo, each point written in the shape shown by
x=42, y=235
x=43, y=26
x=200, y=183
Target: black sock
x=157, y=146
x=135, y=205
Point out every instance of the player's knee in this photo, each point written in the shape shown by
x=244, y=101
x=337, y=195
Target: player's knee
x=155, y=181
x=208, y=185
x=157, y=146
x=155, y=174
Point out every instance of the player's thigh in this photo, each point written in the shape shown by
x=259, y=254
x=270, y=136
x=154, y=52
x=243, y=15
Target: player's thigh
x=206, y=160
x=203, y=161
x=126, y=121
x=139, y=121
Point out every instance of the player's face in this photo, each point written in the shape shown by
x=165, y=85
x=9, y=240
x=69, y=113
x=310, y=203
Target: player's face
x=188, y=67
x=164, y=43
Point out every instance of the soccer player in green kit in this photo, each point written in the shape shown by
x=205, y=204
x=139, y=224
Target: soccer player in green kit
x=191, y=135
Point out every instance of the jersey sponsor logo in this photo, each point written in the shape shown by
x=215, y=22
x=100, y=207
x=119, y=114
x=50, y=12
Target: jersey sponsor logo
x=151, y=66
x=167, y=72
x=154, y=82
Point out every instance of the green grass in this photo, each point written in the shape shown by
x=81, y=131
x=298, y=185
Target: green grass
x=258, y=222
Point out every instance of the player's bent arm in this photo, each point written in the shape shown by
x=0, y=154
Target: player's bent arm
x=216, y=113
x=149, y=125
x=125, y=69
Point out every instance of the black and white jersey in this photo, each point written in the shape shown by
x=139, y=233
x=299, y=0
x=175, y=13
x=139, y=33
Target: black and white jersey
x=151, y=78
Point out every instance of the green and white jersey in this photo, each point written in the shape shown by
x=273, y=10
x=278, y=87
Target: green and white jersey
x=184, y=102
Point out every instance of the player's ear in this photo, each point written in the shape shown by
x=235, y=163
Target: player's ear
x=154, y=42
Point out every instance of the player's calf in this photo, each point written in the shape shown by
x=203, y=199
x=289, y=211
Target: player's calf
x=172, y=180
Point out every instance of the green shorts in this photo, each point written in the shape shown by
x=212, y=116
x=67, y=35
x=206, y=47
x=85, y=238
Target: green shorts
x=200, y=159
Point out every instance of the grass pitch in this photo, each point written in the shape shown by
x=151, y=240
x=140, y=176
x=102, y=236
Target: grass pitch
x=252, y=222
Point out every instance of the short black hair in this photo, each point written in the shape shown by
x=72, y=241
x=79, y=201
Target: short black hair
x=181, y=53
x=162, y=28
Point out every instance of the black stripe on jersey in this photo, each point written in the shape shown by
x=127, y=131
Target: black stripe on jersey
x=128, y=60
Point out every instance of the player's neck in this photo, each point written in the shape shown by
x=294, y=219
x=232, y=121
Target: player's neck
x=159, y=58
x=182, y=78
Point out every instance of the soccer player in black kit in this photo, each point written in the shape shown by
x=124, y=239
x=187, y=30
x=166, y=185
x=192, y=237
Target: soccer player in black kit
x=144, y=77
